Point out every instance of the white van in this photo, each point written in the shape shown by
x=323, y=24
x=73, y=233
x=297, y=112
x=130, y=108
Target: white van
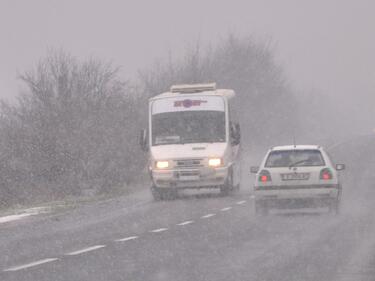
x=193, y=140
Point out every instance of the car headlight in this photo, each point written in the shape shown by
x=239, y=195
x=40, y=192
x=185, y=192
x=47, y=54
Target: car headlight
x=215, y=162
x=162, y=164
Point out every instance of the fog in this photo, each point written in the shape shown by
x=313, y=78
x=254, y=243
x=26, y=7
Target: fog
x=324, y=46
x=84, y=196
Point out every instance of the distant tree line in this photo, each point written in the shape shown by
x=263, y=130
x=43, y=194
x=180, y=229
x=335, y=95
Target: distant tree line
x=77, y=126
x=267, y=105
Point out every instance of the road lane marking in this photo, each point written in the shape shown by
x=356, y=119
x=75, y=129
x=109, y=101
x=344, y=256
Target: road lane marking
x=82, y=251
x=159, y=230
x=226, y=209
x=13, y=218
x=241, y=202
x=25, y=213
x=127, y=239
x=185, y=223
x=32, y=264
x=252, y=196
x=208, y=216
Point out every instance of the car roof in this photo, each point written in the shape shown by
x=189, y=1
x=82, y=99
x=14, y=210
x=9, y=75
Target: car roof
x=296, y=147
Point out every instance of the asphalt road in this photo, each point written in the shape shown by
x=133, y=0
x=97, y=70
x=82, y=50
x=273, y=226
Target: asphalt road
x=199, y=236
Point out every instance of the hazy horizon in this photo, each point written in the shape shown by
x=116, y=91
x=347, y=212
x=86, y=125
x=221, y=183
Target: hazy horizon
x=323, y=46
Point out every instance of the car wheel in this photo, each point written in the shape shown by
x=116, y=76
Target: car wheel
x=261, y=208
x=334, y=207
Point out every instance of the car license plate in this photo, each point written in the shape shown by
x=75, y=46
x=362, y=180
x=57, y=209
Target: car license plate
x=295, y=176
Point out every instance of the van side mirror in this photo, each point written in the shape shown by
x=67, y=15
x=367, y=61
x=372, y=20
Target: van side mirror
x=254, y=169
x=340, y=167
x=238, y=132
x=143, y=140
x=235, y=133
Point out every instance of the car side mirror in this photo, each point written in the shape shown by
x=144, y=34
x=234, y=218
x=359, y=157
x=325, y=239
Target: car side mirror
x=254, y=169
x=143, y=140
x=340, y=167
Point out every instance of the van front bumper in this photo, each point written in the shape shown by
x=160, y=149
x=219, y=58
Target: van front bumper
x=190, y=178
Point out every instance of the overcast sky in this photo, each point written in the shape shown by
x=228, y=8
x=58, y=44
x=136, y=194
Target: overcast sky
x=328, y=46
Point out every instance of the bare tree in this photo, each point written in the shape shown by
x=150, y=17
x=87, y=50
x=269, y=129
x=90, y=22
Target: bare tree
x=73, y=130
x=266, y=103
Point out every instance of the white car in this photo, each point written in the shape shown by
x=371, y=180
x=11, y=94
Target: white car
x=297, y=176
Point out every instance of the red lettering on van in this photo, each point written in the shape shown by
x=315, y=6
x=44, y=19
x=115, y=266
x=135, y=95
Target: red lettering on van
x=188, y=103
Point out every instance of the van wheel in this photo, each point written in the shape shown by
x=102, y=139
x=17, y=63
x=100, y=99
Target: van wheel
x=170, y=194
x=228, y=185
x=156, y=193
x=224, y=191
x=261, y=208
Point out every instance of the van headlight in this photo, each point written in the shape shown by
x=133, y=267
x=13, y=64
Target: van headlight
x=215, y=162
x=162, y=164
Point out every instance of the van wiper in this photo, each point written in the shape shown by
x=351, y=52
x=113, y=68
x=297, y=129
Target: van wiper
x=298, y=162
x=198, y=141
x=187, y=140
x=165, y=143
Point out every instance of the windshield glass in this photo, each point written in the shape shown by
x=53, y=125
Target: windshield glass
x=288, y=158
x=188, y=127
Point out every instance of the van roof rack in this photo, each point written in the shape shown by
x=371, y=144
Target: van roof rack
x=193, y=88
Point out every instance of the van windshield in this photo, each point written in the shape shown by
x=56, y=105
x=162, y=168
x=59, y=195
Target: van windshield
x=290, y=158
x=188, y=127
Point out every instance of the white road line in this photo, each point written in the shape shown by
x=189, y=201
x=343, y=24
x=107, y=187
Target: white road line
x=25, y=213
x=185, y=223
x=252, y=196
x=16, y=268
x=127, y=239
x=226, y=209
x=208, y=216
x=159, y=230
x=89, y=249
x=13, y=217
x=241, y=202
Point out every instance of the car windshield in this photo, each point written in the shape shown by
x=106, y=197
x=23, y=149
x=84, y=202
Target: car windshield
x=289, y=158
x=188, y=127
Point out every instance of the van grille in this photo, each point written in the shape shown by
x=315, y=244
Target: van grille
x=188, y=163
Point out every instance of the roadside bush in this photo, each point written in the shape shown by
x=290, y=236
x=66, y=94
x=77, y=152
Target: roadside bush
x=73, y=130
